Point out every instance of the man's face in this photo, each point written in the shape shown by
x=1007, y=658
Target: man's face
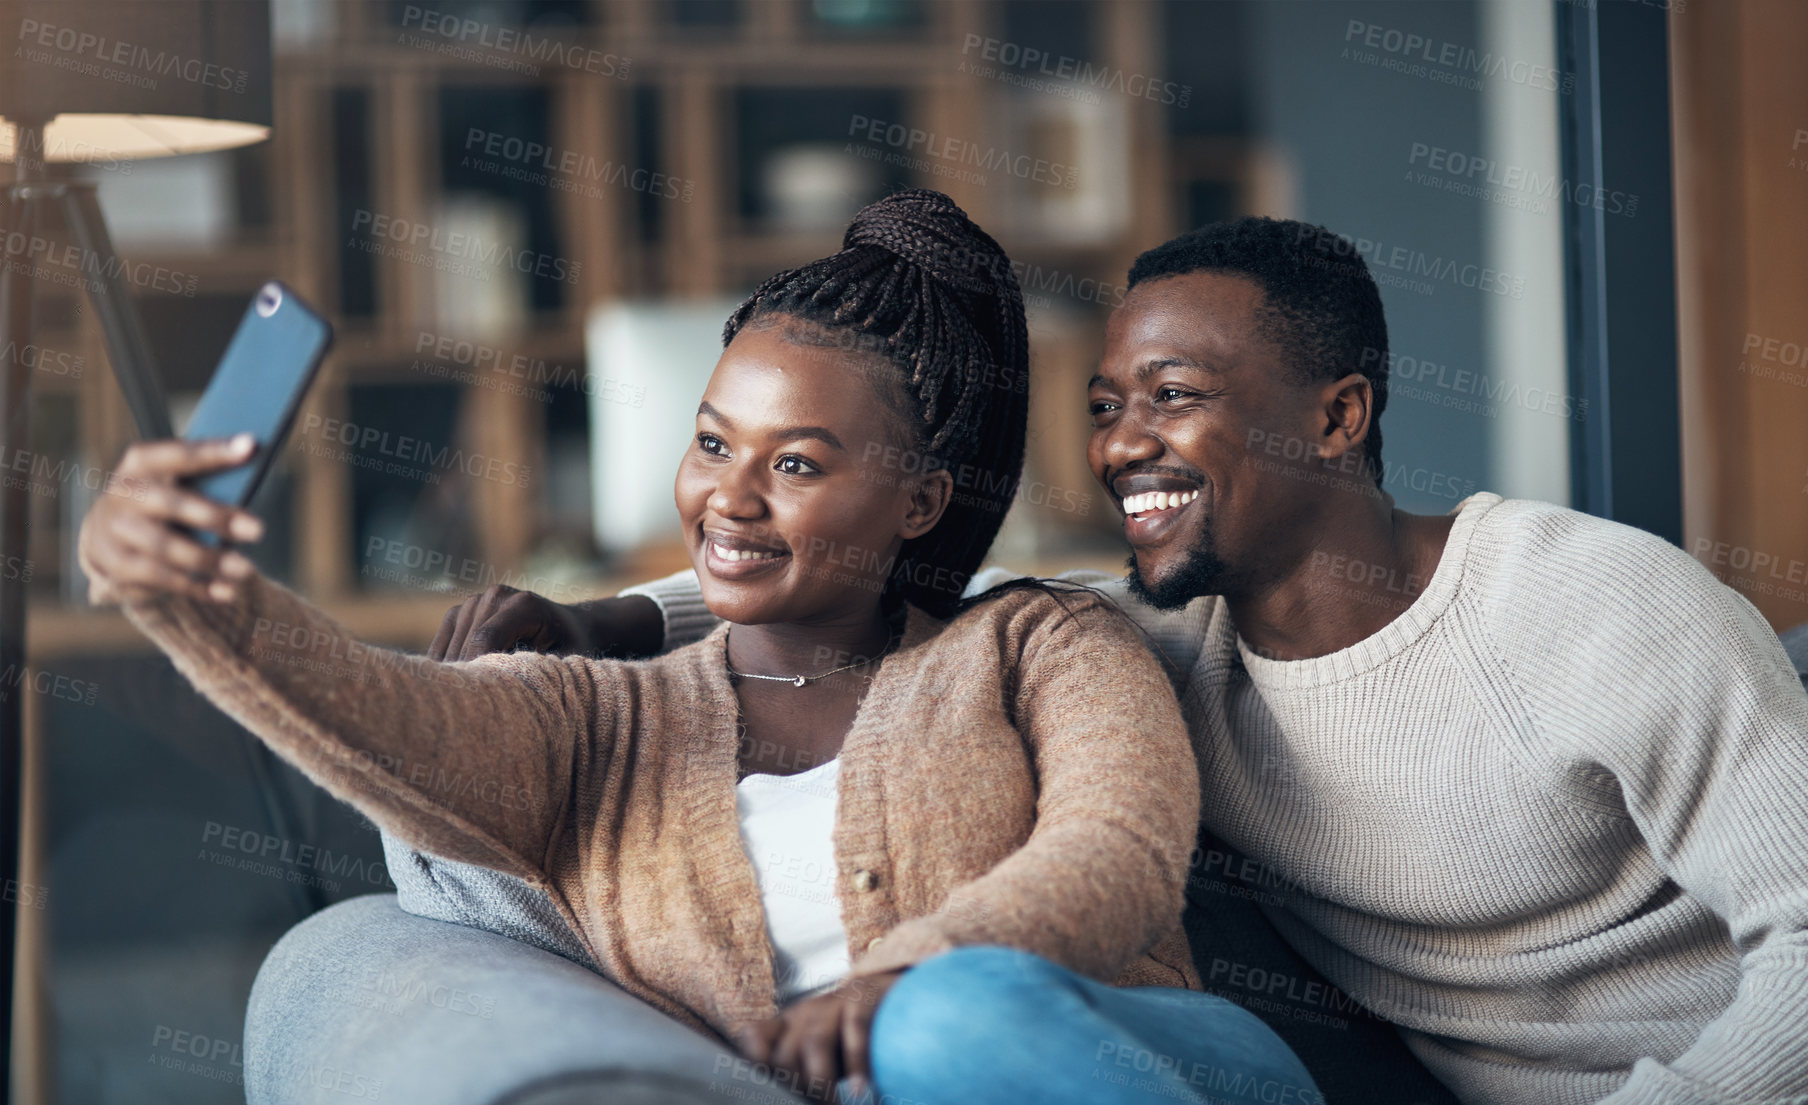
x=1186, y=383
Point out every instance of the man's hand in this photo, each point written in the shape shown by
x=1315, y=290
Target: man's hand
x=501, y=619
x=819, y=1041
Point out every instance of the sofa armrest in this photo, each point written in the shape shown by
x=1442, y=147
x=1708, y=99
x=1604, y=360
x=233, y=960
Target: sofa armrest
x=365, y=1002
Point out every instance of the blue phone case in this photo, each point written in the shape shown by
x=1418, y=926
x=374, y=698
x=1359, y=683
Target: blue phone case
x=258, y=386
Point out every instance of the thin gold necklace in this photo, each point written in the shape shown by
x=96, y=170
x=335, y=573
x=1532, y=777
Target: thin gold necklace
x=799, y=680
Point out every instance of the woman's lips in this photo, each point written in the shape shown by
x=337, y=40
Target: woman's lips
x=1150, y=515
x=729, y=562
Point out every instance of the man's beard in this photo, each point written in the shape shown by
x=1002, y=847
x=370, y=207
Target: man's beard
x=1201, y=573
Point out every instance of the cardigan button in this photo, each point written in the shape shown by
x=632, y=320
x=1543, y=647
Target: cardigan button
x=865, y=881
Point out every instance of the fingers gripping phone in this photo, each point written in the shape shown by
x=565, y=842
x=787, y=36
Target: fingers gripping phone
x=258, y=388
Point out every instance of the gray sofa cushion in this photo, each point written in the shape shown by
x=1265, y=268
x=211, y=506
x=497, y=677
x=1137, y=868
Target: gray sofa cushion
x=364, y=1001
x=465, y=894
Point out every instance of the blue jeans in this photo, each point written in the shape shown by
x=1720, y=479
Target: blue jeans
x=997, y=1026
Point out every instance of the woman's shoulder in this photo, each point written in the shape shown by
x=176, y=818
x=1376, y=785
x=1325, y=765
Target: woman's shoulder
x=1031, y=611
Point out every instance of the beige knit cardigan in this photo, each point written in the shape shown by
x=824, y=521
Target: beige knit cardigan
x=1014, y=776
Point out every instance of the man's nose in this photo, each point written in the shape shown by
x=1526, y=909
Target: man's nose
x=1130, y=440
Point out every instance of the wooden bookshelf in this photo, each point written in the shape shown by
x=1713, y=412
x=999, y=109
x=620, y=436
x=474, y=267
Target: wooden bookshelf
x=677, y=100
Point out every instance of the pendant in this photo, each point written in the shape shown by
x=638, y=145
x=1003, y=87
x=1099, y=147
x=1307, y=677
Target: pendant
x=801, y=681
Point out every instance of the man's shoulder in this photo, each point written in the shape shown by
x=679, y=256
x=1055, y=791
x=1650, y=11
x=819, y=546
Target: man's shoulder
x=1546, y=571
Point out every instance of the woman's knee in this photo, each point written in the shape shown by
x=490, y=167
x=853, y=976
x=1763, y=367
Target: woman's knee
x=957, y=1001
x=966, y=980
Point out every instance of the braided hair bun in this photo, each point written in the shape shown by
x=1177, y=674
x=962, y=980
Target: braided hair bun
x=922, y=284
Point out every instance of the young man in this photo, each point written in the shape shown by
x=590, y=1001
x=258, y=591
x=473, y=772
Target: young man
x=1531, y=785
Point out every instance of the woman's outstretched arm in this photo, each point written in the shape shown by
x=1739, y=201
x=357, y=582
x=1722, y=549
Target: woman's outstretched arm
x=470, y=761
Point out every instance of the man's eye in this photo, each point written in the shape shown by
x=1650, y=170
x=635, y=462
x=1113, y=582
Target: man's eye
x=793, y=465
x=1164, y=394
x=712, y=444
x=1101, y=406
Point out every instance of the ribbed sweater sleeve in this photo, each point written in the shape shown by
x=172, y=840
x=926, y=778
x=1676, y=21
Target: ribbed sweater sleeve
x=680, y=601
x=471, y=761
x=1174, y=636
x=1677, y=687
x=1100, y=879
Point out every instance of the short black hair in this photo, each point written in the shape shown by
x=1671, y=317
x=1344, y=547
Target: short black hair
x=1320, y=304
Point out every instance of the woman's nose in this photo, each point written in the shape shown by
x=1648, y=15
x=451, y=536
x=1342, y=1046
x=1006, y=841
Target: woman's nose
x=737, y=493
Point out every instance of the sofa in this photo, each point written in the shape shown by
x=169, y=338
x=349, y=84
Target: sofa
x=370, y=1000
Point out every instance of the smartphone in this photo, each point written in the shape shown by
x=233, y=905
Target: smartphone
x=258, y=387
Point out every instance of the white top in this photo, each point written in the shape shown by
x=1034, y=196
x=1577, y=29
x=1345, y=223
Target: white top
x=1552, y=820
x=787, y=827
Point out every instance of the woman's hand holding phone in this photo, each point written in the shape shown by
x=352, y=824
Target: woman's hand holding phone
x=138, y=543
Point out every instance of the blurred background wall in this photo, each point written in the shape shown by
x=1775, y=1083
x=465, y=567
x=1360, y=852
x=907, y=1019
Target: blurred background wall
x=528, y=218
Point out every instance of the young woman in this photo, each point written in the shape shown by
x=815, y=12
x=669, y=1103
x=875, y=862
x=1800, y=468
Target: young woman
x=1012, y=796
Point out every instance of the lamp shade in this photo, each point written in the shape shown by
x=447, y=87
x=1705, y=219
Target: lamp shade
x=117, y=79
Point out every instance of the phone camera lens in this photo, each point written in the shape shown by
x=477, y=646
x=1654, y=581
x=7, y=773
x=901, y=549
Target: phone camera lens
x=268, y=299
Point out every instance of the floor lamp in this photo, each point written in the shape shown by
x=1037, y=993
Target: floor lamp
x=94, y=81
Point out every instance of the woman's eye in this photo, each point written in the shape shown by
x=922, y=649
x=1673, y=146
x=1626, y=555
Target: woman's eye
x=793, y=465
x=712, y=444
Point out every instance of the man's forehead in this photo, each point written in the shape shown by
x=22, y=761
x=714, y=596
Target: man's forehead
x=1204, y=311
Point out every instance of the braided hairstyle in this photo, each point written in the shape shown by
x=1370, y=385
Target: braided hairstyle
x=919, y=282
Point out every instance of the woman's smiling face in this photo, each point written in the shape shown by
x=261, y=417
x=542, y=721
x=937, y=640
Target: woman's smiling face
x=792, y=494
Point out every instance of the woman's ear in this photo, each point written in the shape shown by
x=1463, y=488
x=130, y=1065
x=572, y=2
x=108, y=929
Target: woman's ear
x=929, y=498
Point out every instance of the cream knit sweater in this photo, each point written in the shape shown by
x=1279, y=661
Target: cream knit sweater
x=1015, y=776
x=1552, y=820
